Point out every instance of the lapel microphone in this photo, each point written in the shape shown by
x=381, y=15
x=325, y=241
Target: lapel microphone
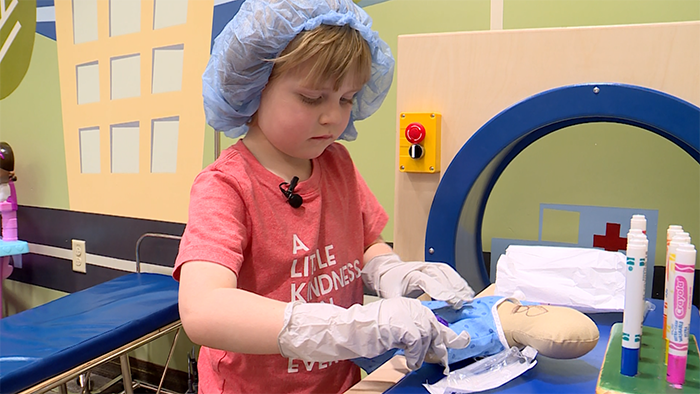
x=293, y=199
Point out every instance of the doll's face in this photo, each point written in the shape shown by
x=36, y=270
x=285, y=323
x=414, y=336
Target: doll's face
x=5, y=176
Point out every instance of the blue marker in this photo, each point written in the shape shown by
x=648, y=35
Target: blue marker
x=634, y=296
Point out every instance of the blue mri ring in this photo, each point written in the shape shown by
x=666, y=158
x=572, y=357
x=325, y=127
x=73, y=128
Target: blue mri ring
x=460, y=199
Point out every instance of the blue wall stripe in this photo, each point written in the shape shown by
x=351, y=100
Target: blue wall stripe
x=223, y=13
x=47, y=29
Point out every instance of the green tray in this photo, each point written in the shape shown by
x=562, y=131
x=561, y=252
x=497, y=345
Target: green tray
x=651, y=375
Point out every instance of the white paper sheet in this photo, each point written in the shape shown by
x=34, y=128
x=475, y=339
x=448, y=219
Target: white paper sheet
x=590, y=280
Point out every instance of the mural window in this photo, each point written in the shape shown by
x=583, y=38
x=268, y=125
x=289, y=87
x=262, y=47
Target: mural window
x=84, y=21
x=169, y=13
x=89, y=150
x=124, y=17
x=125, y=148
x=167, y=69
x=88, y=82
x=164, y=144
x=125, y=78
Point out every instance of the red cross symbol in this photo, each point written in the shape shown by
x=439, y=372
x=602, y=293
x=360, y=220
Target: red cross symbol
x=611, y=241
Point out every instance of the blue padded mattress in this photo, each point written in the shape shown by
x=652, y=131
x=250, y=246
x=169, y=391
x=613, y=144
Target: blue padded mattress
x=45, y=341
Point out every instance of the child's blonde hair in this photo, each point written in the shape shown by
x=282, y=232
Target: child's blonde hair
x=337, y=50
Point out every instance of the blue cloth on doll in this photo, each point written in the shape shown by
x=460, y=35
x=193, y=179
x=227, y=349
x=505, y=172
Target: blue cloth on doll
x=475, y=317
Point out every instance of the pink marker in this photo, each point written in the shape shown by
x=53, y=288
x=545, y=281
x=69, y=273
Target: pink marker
x=678, y=239
x=672, y=230
x=679, y=313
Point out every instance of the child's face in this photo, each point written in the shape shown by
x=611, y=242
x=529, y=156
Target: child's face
x=300, y=121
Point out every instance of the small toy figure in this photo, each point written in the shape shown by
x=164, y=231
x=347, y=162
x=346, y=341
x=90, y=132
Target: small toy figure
x=8, y=196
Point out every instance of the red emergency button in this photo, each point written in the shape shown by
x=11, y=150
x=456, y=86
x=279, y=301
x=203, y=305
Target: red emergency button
x=415, y=133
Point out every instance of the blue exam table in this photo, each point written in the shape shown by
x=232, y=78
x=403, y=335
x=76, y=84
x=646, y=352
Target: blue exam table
x=46, y=346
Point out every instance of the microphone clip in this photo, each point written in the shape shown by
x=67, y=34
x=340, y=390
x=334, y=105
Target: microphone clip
x=293, y=199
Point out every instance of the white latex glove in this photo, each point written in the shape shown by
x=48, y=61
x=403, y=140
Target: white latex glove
x=390, y=277
x=325, y=332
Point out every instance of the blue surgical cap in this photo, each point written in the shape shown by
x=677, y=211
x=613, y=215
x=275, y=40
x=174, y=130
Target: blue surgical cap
x=239, y=67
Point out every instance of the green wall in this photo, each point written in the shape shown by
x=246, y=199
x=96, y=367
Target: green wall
x=31, y=121
x=530, y=14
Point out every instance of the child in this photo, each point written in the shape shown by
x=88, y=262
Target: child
x=283, y=232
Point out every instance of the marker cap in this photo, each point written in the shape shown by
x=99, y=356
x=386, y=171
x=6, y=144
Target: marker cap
x=675, y=374
x=639, y=222
x=629, y=361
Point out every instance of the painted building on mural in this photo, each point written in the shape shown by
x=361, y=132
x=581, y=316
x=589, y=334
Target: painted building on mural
x=130, y=77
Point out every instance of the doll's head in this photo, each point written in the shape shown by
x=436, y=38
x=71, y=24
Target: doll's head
x=7, y=163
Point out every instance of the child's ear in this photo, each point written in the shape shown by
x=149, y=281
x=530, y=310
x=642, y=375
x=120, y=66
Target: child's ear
x=556, y=332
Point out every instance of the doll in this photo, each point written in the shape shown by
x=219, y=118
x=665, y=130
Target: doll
x=495, y=323
x=8, y=196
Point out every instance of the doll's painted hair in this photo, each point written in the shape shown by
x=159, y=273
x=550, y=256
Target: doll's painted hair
x=7, y=157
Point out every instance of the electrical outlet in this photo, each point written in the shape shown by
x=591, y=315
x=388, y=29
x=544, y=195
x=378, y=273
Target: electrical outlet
x=79, y=256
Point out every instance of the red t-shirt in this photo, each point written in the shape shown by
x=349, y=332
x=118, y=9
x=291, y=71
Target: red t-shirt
x=239, y=218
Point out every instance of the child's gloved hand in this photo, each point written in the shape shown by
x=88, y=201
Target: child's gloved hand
x=390, y=277
x=325, y=332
